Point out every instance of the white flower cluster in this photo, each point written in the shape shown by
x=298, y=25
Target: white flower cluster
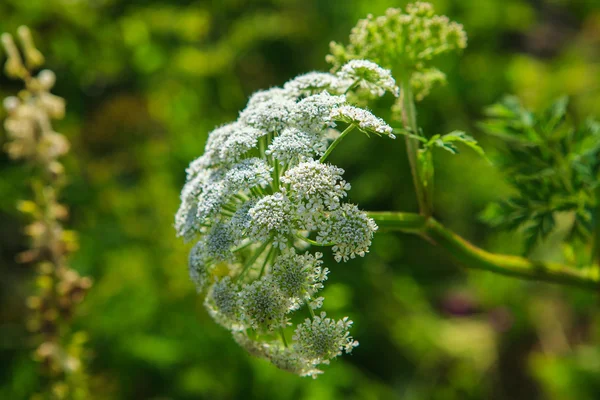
x=321, y=339
x=370, y=76
x=260, y=195
x=363, y=119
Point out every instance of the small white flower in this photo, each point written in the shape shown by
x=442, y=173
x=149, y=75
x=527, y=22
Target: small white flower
x=321, y=339
x=294, y=145
x=186, y=223
x=316, y=303
x=271, y=215
x=219, y=241
x=198, y=269
x=263, y=306
x=241, y=219
x=315, y=187
x=213, y=196
x=197, y=167
x=270, y=116
x=216, y=142
x=370, y=76
x=273, y=94
x=350, y=229
x=363, y=119
x=313, y=113
x=222, y=303
x=222, y=184
x=289, y=360
x=314, y=83
x=247, y=174
x=299, y=277
x=282, y=357
x=238, y=144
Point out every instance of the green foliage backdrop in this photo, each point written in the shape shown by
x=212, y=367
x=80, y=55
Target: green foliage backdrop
x=146, y=81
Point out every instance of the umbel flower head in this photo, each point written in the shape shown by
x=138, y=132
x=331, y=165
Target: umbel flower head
x=406, y=42
x=260, y=195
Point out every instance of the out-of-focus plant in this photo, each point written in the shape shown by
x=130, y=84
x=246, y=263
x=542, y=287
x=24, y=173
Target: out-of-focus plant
x=58, y=288
x=262, y=192
x=554, y=166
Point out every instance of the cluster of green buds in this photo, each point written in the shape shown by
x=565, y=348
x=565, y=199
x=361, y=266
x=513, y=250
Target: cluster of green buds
x=31, y=138
x=406, y=42
x=257, y=199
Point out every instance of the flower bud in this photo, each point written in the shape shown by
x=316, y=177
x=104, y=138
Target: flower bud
x=33, y=56
x=14, y=65
x=11, y=103
x=46, y=78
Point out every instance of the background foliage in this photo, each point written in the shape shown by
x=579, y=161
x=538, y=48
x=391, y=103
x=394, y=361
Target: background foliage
x=146, y=81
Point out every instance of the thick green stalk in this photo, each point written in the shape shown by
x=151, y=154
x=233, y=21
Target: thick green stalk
x=409, y=120
x=473, y=257
x=399, y=221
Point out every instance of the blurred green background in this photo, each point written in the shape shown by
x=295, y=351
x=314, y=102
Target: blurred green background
x=145, y=81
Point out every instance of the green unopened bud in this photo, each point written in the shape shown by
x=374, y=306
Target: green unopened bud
x=13, y=67
x=404, y=41
x=33, y=56
x=27, y=207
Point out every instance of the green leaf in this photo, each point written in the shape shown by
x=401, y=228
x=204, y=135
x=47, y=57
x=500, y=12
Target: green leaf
x=448, y=142
x=555, y=114
x=463, y=138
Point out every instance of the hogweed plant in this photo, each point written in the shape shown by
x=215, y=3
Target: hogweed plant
x=261, y=194
x=263, y=198
x=32, y=139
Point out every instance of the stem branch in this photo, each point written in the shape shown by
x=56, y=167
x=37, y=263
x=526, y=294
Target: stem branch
x=474, y=257
x=336, y=142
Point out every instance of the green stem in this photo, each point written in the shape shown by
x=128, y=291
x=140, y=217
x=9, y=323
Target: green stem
x=268, y=258
x=275, y=175
x=473, y=257
x=241, y=197
x=398, y=221
x=409, y=119
x=313, y=242
x=282, y=333
x=253, y=259
x=262, y=147
x=242, y=246
x=353, y=86
x=336, y=142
